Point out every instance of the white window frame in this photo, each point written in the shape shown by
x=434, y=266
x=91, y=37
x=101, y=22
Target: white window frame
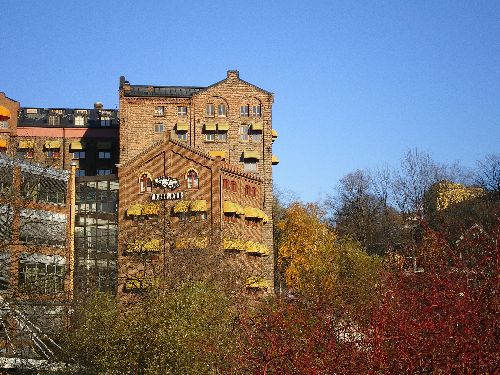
x=210, y=110
x=182, y=136
x=255, y=110
x=181, y=111
x=222, y=110
x=159, y=128
x=160, y=110
x=244, y=111
x=79, y=120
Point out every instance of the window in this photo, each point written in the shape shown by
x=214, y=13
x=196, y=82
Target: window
x=79, y=120
x=105, y=121
x=103, y=172
x=222, y=136
x=225, y=184
x=145, y=183
x=255, y=111
x=41, y=273
x=250, y=191
x=79, y=155
x=159, y=111
x=213, y=136
x=42, y=227
x=104, y=155
x=4, y=125
x=27, y=153
x=230, y=217
x=192, y=179
x=80, y=173
x=210, y=137
x=250, y=165
x=244, y=111
x=181, y=111
x=244, y=133
x=221, y=110
x=53, y=153
x=159, y=128
x=234, y=186
x=54, y=120
x=43, y=188
x=182, y=136
x=209, y=110
x=248, y=135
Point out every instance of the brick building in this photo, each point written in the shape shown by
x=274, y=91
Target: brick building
x=215, y=142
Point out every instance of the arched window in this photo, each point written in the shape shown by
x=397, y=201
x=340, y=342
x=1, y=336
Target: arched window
x=145, y=183
x=192, y=179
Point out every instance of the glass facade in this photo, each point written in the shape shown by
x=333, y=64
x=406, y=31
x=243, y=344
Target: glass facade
x=96, y=233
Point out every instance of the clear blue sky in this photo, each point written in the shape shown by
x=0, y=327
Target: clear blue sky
x=356, y=83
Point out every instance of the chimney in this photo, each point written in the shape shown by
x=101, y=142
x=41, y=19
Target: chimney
x=97, y=105
x=233, y=74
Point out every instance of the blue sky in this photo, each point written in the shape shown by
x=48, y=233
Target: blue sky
x=356, y=83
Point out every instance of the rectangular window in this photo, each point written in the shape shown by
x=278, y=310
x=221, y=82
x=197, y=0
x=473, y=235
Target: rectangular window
x=221, y=110
x=159, y=111
x=244, y=133
x=80, y=173
x=222, y=137
x=250, y=165
x=41, y=273
x=256, y=111
x=209, y=110
x=159, y=128
x=244, y=111
x=234, y=186
x=104, y=155
x=103, y=172
x=27, y=153
x=256, y=136
x=4, y=125
x=209, y=137
x=42, y=227
x=79, y=155
x=182, y=136
x=79, y=120
x=53, y=153
x=182, y=111
x=225, y=184
x=54, y=120
x=105, y=121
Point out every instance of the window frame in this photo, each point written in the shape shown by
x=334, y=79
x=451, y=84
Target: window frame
x=222, y=110
x=209, y=110
x=159, y=111
x=244, y=111
x=193, y=179
x=104, y=155
x=159, y=128
x=181, y=110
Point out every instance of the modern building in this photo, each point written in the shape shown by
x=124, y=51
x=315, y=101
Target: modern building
x=195, y=162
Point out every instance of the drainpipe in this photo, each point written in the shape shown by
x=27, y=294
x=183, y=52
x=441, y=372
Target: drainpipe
x=72, y=228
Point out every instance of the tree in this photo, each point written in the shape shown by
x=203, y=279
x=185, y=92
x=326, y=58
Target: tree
x=417, y=173
x=488, y=173
x=188, y=330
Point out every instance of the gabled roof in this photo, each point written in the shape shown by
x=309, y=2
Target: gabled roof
x=235, y=73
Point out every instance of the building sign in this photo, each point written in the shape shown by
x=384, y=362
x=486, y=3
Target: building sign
x=167, y=182
x=167, y=196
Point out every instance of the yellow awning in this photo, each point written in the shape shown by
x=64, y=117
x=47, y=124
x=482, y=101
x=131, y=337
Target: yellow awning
x=4, y=114
x=265, y=219
x=219, y=153
x=233, y=244
x=229, y=207
x=239, y=209
x=223, y=127
x=251, y=155
x=181, y=206
x=181, y=127
x=275, y=134
x=104, y=145
x=251, y=247
x=257, y=126
x=251, y=212
x=210, y=127
x=275, y=160
x=76, y=145
x=4, y=143
x=198, y=205
x=134, y=210
x=52, y=144
x=191, y=243
x=151, y=209
x=256, y=282
x=26, y=144
x=140, y=246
